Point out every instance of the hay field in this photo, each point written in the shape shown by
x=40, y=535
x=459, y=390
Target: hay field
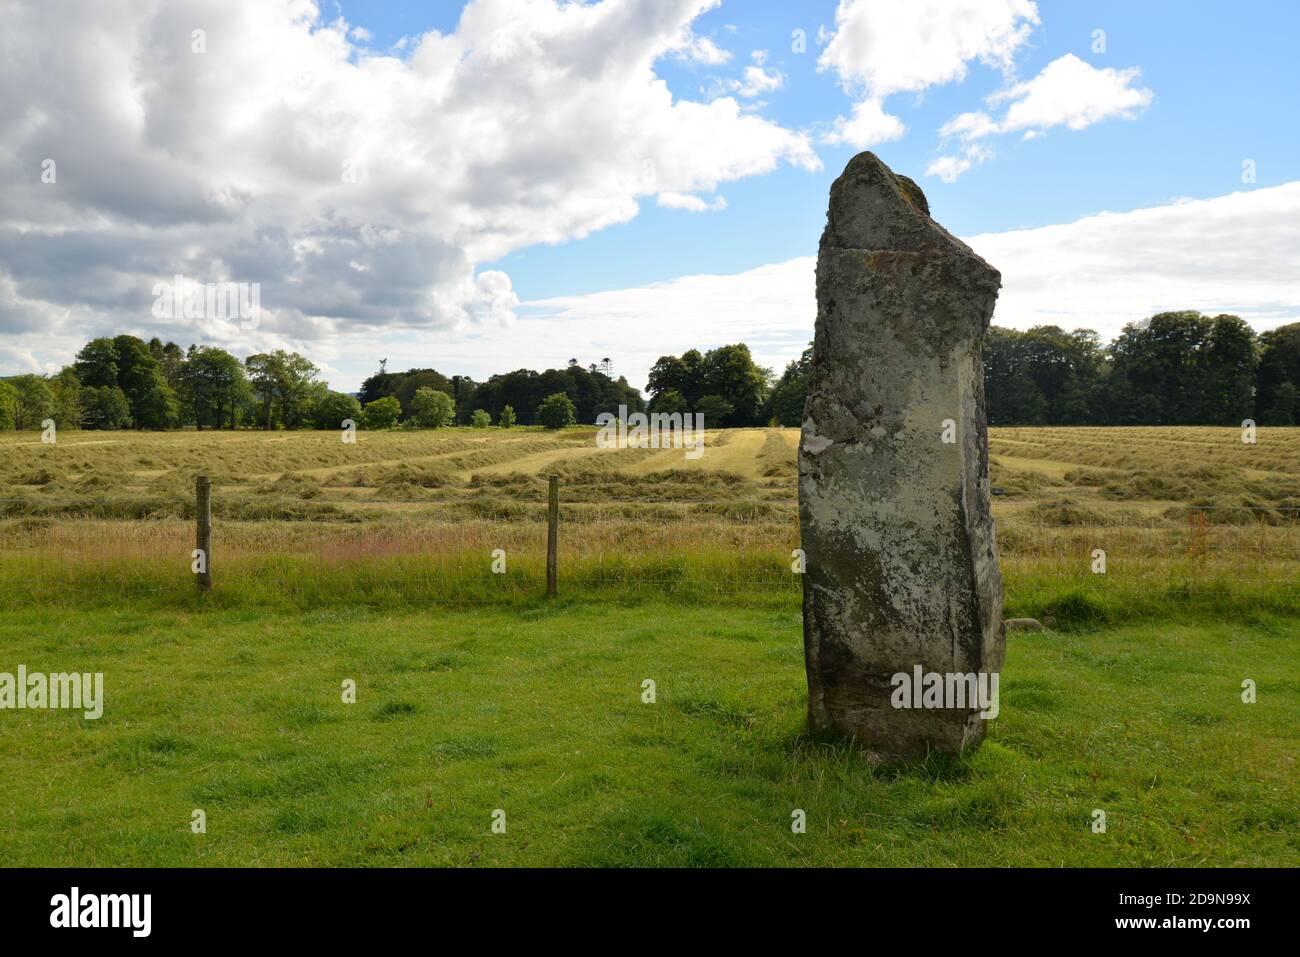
x=1185, y=505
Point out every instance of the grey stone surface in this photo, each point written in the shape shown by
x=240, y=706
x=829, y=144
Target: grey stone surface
x=895, y=522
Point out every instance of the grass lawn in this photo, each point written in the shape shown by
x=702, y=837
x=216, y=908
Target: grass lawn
x=537, y=711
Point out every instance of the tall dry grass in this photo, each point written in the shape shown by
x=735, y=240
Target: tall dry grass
x=1177, y=511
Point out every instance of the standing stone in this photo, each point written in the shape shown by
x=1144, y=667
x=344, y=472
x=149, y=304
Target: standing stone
x=893, y=469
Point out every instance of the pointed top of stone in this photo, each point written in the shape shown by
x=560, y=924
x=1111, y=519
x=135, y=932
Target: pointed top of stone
x=872, y=207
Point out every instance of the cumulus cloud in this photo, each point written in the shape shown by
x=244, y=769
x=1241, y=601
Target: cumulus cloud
x=690, y=203
x=883, y=47
x=1234, y=253
x=868, y=125
x=755, y=80
x=703, y=50
x=1067, y=92
x=494, y=298
x=1072, y=93
x=948, y=168
x=362, y=190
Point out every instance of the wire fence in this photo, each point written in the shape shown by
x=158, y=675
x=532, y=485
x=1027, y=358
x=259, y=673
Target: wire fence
x=98, y=544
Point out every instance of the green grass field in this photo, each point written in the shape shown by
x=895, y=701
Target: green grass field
x=373, y=563
x=539, y=713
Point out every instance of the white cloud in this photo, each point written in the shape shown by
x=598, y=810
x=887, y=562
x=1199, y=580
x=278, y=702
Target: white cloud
x=754, y=81
x=970, y=125
x=494, y=297
x=883, y=47
x=1073, y=93
x=869, y=125
x=1234, y=253
x=757, y=80
x=898, y=46
x=690, y=202
x=703, y=50
x=1067, y=92
x=948, y=168
x=363, y=191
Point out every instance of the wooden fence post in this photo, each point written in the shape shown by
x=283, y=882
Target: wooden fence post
x=203, y=529
x=552, y=536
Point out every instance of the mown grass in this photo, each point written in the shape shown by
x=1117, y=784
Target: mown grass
x=538, y=711
x=1148, y=495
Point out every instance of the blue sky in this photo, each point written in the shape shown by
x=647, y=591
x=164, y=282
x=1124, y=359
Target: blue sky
x=1226, y=88
x=496, y=184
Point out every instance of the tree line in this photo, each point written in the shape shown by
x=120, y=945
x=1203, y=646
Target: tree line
x=124, y=382
x=590, y=390
x=1176, y=368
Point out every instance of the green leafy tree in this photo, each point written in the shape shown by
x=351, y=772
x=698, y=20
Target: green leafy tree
x=1183, y=368
x=140, y=377
x=715, y=410
x=730, y=373
x=264, y=376
x=786, y=401
x=1042, y=376
x=1027, y=404
x=669, y=402
x=432, y=408
x=591, y=392
x=171, y=359
x=1074, y=403
x=104, y=408
x=413, y=380
x=155, y=405
x=296, y=390
x=66, y=390
x=333, y=409
x=556, y=411
x=507, y=417
x=480, y=419
x=282, y=382
x=1229, y=358
x=128, y=363
x=463, y=393
x=1286, y=405
x=1279, y=363
x=213, y=383
x=382, y=413
x=34, y=401
x=8, y=406
x=684, y=374
x=96, y=363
